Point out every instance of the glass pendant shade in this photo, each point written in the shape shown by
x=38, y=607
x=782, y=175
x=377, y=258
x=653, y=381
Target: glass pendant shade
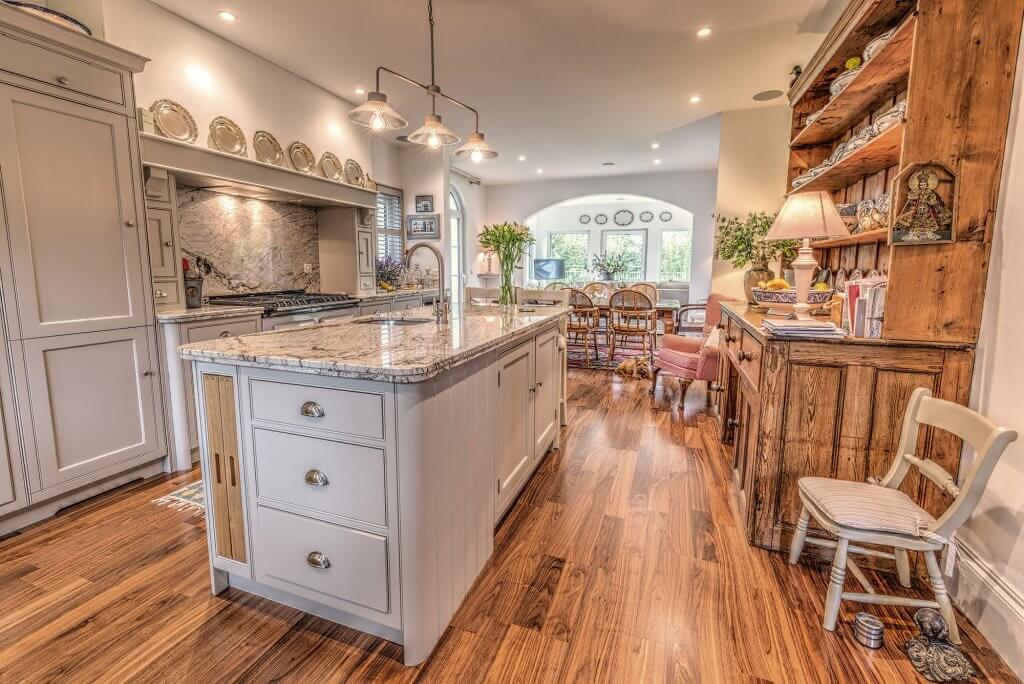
x=433, y=133
x=377, y=114
x=476, y=149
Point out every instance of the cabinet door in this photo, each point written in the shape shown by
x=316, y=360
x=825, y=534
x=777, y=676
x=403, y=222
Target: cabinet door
x=364, y=252
x=92, y=403
x=746, y=429
x=69, y=185
x=547, y=376
x=514, y=439
x=161, y=242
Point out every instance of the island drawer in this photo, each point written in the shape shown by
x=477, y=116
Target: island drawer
x=323, y=408
x=215, y=329
x=749, y=357
x=327, y=563
x=323, y=475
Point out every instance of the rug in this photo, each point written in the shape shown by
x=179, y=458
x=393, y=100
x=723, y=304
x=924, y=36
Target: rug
x=189, y=497
x=577, y=359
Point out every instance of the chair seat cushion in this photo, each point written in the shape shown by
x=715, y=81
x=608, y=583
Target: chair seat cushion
x=678, y=359
x=866, y=506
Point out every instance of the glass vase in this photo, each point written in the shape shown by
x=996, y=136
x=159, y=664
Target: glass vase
x=507, y=297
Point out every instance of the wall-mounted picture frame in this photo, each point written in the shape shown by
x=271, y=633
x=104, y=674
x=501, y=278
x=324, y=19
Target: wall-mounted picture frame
x=923, y=205
x=424, y=204
x=422, y=227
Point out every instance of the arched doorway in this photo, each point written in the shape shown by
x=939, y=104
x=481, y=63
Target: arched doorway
x=456, y=223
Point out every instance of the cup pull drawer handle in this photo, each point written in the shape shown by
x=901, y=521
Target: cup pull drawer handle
x=311, y=409
x=63, y=80
x=318, y=560
x=225, y=334
x=317, y=478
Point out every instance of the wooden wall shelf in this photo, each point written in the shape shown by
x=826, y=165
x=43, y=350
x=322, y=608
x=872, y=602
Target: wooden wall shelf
x=868, y=238
x=879, y=79
x=878, y=155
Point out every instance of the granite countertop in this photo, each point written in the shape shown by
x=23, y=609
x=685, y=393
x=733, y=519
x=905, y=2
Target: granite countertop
x=377, y=351
x=180, y=314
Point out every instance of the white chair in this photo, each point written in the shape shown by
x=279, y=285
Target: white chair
x=542, y=297
x=482, y=295
x=876, y=512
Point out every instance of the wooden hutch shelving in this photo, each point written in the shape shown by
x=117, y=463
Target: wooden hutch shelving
x=833, y=408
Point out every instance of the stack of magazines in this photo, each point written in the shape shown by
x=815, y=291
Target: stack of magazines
x=802, y=329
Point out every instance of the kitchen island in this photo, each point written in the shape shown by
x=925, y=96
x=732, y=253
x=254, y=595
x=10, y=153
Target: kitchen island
x=356, y=470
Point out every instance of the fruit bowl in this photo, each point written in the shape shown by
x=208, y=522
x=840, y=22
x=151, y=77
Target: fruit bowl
x=780, y=299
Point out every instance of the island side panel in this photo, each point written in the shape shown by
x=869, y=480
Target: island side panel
x=446, y=475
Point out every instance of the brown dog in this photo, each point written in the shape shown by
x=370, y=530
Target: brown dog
x=638, y=369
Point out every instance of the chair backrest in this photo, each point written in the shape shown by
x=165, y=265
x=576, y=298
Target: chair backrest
x=482, y=295
x=713, y=315
x=542, y=297
x=598, y=289
x=556, y=286
x=986, y=438
x=630, y=300
x=649, y=289
x=578, y=299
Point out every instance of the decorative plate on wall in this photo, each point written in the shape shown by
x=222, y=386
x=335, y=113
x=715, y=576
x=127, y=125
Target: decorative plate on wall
x=330, y=167
x=302, y=157
x=267, y=149
x=665, y=216
x=646, y=216
x=623, y=217
x=601, y=219
x=226, y=136
x=584, y=219
x=52, y=16
x=354, y=173
x=173, y=121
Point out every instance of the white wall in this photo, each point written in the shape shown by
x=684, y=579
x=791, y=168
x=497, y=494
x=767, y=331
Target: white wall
x=694, y=191
x=425, y=172
x=474, y=207
x=753, y=156
x=989, y=586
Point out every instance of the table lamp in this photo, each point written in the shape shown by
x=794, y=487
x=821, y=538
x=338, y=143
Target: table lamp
x=804, y=216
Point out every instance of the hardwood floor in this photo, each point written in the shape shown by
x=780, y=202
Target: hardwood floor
x=623, y=561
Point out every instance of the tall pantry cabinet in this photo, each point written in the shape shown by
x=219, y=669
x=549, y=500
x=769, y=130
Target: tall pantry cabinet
x=79, y=391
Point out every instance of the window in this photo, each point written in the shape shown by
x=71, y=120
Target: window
x=572, y=247
x=674, y=260
x=455, y=254
x=390, y=231
x=633, y=245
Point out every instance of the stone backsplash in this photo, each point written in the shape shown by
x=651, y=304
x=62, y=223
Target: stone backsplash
x=252, y=245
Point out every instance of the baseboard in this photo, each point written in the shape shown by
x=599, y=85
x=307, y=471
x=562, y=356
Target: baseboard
x=994, y=606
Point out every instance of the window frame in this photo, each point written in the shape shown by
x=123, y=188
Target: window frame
x=566, y=231
x=661, y=251
x=383, y=232
x=605, y=232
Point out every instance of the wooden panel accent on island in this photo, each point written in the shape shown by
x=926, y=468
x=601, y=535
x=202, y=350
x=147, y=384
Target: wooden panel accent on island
x=226, y=479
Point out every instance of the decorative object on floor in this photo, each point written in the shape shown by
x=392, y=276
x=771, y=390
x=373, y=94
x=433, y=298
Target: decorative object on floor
x=638, y=368
x=173, y=121
x=354, y=173
x=868, y=630
x=301, y=157
x=665, y=216
x=190, y=497
x=876, y=45
x=584, y=219
x=389, y=271
x=226, y=136
x=330, y=167
x=379, y=116
x=931, y=653
x=743, y=241
x=646, y=216
x=623, y=217
x=424, y=204
x=924, y=193
x=610, y=265
x=509, y=241
x=193, y=285
x=51, y=15
x=422, y=227
x=267, y=149
x=601, y=219
x=804, y=216
x=877, y=513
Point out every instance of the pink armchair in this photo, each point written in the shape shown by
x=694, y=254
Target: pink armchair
x=691, y=358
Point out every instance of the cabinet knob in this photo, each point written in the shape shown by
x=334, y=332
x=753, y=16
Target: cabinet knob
x=715, y=387
x=318, y=560
x=311, y=409
x=317, y=478
x=224, y=334
x=63, y=80
x=130, y=223
x=742, y=356
x=147, y=373
x=168, y=243
x=721, y=326
x=731, y=338
x=733, y=422
x=533, y=389
x=159, y=293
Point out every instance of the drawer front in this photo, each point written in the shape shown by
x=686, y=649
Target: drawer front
x=323, y=475
x=345, y=411
x=202, y=333
x=402, y=304
x=357, y=562
x=366, y=283
x=167, y=293
x=62, y=71
x=749, y=358
x=367, y=309
x=733, y=336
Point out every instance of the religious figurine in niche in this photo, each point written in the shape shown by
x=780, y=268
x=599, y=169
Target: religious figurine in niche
x=925, y=217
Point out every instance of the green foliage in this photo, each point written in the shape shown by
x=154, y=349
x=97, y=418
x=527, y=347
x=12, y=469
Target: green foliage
x=390, y=270
x=508, y=240
x=742, y=241
x=572, y=247
x=674, y=260
x=614, y=262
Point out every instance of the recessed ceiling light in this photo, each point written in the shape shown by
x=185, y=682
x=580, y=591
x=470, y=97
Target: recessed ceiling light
x=655, y=145
x=227, y=16
x=657, y=161
x=540, y=170
x=695, y=99
x=704, y=32
x=360, y=91
x=522, y=157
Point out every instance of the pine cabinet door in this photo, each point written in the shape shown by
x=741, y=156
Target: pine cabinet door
x=75, y=232
x=547, y=377
x=515, y=448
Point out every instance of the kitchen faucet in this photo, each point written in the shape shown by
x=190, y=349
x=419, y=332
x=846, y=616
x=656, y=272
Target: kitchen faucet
x=441, y=303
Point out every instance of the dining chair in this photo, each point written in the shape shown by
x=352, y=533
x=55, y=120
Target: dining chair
x=692, y=358
x=598, y=289
x=482, y=295
x=649, y=289
x=631, y=314
x=584, y=320
x=557, y=286
x=876, y=512
x=542, y=297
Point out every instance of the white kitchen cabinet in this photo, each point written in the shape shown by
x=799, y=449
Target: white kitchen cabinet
x=364, y=252
x=514, y=455
x=74, y=226
x=546, y=392
x=346, y=249
x=161, y=242
x=375, y=308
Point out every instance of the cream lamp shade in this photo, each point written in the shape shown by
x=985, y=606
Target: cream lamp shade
x=808, y=215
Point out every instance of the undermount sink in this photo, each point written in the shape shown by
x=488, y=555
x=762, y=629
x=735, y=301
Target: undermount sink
x=394, y=319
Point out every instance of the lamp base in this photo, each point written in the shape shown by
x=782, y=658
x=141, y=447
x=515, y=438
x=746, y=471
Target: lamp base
x=803, y=273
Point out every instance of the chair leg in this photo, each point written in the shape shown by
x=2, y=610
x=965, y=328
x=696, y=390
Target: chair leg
x=835, y=586
x=586, y=348
x=654, y=379
x=611, y=348
x=903, y=567
x=796, y=546
x=939, y=587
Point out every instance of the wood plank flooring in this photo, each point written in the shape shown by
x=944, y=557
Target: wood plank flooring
x=623, y=561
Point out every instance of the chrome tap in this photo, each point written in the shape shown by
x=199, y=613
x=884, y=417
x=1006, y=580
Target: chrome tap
x=441, y=303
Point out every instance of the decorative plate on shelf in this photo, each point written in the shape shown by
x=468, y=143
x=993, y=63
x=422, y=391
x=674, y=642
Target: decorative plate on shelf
x=875, y=46
x=646, y=216
x=623, y=217
x=173, y=121
x=331, y=168
x=226, y=136
x=302, y=157
x=840, y=284
x=50, y=15
x=665, y=216
x=584, y=219
x=601, y=219
x=354, y=172
x=844, y=79
x=892, y=117
x=267, y=149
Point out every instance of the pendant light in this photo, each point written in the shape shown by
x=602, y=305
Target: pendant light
x=379, y=116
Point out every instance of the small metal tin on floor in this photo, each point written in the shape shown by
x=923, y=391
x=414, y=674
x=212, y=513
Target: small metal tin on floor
x=868, y=630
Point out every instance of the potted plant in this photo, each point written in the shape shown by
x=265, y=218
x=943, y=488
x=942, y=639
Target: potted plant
x=509, y=242
x=610, y=264
x=741, y=241
x=389, y=272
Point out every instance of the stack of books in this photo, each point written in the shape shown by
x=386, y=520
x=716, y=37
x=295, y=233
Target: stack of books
x=794, y=329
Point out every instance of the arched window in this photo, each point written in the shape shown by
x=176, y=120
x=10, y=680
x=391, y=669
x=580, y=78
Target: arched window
x=455, y=224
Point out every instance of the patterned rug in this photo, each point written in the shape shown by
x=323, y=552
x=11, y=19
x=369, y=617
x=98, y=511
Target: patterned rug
x=577, y=359
x=189, y=497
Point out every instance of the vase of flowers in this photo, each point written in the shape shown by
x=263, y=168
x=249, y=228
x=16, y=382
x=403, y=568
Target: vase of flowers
x=389, y=272
x=609, y=265
x=741, y=241
x=509, y=242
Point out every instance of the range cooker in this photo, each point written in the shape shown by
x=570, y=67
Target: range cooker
x=288, y=302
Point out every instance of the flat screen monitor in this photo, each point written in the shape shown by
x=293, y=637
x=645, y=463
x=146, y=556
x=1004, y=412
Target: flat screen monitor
x=548, y=269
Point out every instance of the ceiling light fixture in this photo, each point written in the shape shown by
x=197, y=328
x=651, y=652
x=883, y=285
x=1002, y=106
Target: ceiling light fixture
x=655, y=145
x=540, y=170
x=657, y=161
x=704, y=32
x=360, y=91
x=227, y=16
x=522, y=157
x=695, y=99
x=378, y=115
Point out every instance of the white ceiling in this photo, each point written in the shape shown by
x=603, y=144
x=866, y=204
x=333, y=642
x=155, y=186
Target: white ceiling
x=568, y=83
